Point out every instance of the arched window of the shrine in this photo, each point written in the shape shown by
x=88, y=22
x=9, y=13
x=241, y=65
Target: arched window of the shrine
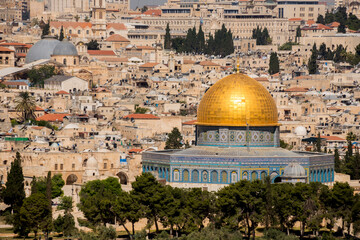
x=205, y=177
x=123, y=178
x=176, y=175
x=263, y=175
x=185, y=175
x=224, y=177
x=234, y=177
x=214, y=176
x=71, y=179
x=254, y=176
x=245, y=176
x=195, y=176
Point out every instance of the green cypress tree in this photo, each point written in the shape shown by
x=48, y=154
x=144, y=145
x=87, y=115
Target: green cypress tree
x=320, y=19
x=274, y=63
x=174, y=140
x=167, y=40
x=46, y=29
x=337, y=161
x=14, y=193
x=318, y=143
x=312, y=65
x=61, y=37
x=200, y=39
x=298, y=33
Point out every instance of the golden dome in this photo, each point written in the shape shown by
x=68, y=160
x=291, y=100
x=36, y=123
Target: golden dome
x=237, y=100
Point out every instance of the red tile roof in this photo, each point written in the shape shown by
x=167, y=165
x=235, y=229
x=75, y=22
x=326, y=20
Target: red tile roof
x=334, y=24
x=136, y=150
x=62, y=92
x=52, y=117
x=20, y=54
x=15, y=83
x=116, y=26
x=140, y=116
x=117, y=38
x=296, y=89
x=208, y=63
x=333, y=138
x=148, y=65
x=153, y=12
x=38, y=108
x=60, y=24
x=295, y=19
x=186, y=61
x=101, y=52
x=4, y=49
x=12, y=44
x=261, y=79
x=192, y=122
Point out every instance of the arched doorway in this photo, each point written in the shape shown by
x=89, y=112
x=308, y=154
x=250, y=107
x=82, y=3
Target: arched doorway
x=71, y=179
x=123, y=178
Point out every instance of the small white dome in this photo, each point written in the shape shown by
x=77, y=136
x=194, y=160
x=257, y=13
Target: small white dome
x=300, y=131
x=92, y=163
x=294, y=170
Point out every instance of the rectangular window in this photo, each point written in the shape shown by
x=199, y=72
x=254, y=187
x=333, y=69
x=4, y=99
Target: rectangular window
x=61, y=166
x=73, y=166
x=56, y=166
x=105, y=165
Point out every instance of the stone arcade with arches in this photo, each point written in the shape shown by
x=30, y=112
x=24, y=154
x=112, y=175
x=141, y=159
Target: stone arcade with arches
x=237, y=137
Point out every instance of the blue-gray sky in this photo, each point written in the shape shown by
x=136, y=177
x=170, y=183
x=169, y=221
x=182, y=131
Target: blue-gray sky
x=140, y=3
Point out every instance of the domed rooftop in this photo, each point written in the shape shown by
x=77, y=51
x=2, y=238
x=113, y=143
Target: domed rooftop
x=300, y=131
x=65, y=48
x=92, y=163
x=43, y=49
x=294, y=170
x=237, y=100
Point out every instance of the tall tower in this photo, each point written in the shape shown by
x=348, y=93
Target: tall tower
x=98, y=18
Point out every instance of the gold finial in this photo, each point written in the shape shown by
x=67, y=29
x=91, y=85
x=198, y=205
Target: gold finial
x=238, y=65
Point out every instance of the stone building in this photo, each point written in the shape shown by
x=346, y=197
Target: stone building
x=66, y=83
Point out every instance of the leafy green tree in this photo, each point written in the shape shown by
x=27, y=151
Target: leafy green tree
x=287, y=46
x=200, y=39
x=312, y=65
x=167, y=40
x=46, y=29
x=61, y=37
x=318, y=143
x=174, y=140
x=242, y=201
x=341, y=203
x=261, y=35
x=141, y=110
x=283, y=205
x=97, y=200
x=40, y=185
x=341, y=28
x=320, y=19
x=149, y=193
x=65, y=223
x=121, y=207
x=298, y=33
x=274, y=234
x=87, y=19
x=337, y=161
x=322, y=51
x=39, y=74
x=329, y=17
x=25, y=103
x=178, y=44
x=77, y=18
x=14, y=193
x=144, y=9
x=35, y=213
x=274, y=63
x=214, y=234
x=93, y=45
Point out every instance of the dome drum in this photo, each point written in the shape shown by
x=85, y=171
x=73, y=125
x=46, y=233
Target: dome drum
x=237, y=136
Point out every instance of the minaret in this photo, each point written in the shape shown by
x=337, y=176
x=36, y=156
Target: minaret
x=98, y=18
